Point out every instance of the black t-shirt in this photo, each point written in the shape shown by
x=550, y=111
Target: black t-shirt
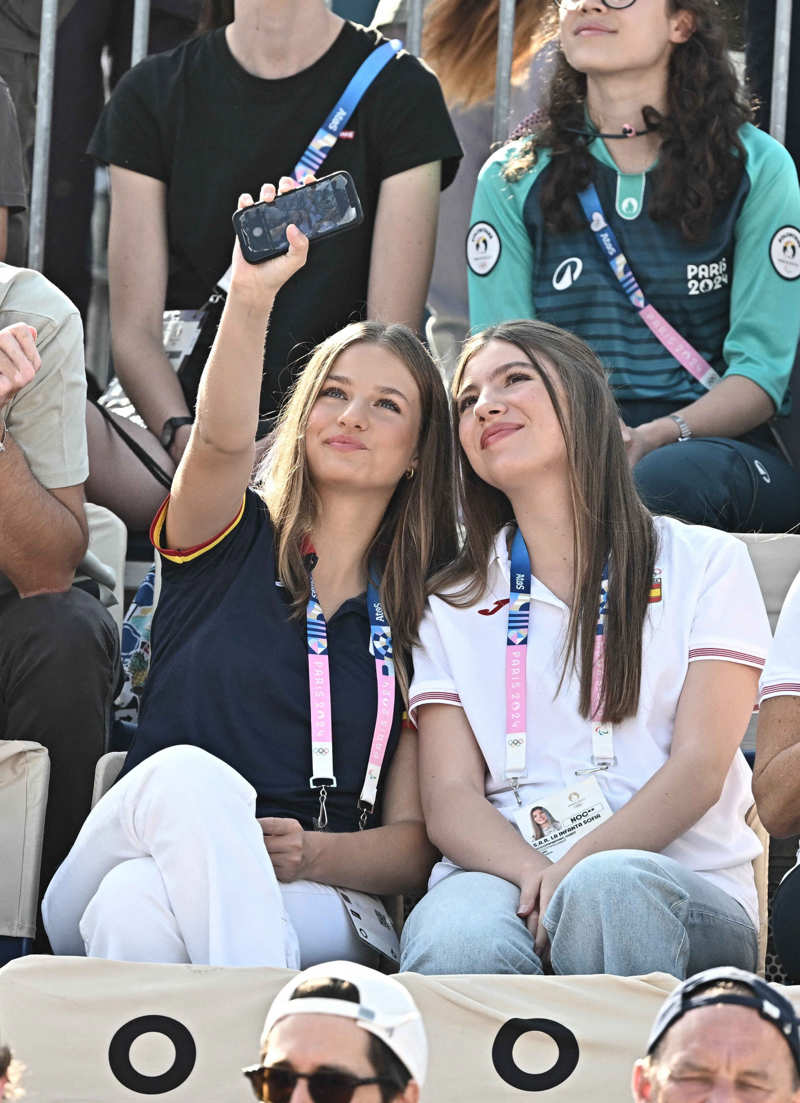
x=229, y=673
x=195, y=119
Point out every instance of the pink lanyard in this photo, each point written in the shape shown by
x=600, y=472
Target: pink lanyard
x=519, y=613
x=323, y=777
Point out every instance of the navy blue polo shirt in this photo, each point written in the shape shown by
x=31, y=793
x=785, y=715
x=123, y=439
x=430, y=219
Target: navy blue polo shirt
x=229, y=674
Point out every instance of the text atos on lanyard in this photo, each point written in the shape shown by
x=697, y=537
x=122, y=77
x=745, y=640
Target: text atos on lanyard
x=519, y=614
x=323, y=777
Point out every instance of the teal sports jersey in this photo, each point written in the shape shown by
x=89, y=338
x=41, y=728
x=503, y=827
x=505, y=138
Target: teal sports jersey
x=735, y=296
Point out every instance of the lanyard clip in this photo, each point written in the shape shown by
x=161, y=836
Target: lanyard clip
x=321, y=822
x=366, y=811
x=515, y=789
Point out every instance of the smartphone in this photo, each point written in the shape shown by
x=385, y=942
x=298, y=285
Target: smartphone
x=322, y=209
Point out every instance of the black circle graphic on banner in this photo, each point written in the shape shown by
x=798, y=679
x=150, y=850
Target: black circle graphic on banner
x=119, y=1055
x=503, y=1054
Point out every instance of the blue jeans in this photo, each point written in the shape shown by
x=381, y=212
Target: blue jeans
x=741, y=485
x=625, y=912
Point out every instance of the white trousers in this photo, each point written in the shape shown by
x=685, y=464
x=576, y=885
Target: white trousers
x=170, y=866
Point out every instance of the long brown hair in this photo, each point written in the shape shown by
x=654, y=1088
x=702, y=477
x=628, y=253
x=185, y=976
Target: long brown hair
x=417, y=535
x=701, y=159
x=610, y=521
x=460, y=44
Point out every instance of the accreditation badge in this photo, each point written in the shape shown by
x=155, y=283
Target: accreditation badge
x=554, y=822
x=372, y=923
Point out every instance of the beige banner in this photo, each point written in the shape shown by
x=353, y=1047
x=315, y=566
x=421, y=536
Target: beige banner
x=100, y=1032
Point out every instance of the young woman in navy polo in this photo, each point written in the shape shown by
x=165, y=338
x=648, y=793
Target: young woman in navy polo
x=275, y=695
x=585, y=657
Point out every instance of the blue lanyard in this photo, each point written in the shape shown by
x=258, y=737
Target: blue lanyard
x=686, y=355
x=380, y=646
x=326, y=137
x=518, y=627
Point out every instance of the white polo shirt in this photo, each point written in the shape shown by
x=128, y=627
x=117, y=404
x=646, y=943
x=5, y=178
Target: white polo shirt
x=706, y=604
x=781, y=677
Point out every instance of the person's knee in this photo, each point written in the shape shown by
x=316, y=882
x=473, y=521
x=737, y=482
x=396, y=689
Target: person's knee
x=193, y=780
x=468, y=925
x=117, y=907
x=63, y=626
x=605, y=877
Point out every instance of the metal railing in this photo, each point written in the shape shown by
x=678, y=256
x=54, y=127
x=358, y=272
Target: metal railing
x=414, y=18
x=780, y=69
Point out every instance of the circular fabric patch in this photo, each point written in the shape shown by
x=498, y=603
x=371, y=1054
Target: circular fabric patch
x=784, y=252
x=483, y=248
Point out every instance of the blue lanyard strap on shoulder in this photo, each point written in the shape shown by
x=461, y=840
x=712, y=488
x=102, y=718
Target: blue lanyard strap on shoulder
x=326, y=137
x=676, y=345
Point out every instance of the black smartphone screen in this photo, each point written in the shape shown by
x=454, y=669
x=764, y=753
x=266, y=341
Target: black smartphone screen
x=318, y=209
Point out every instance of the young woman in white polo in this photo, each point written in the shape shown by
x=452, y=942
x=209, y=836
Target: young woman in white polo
x=582, y=655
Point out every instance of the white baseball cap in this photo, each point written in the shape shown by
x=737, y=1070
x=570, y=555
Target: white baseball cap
x=385, y=1008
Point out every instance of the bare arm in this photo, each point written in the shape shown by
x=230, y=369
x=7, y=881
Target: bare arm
x=43, y=533
x=137, y=272
x=394, y=858
x=712, y=715
x=403, y=244
x=732, y=408
x=216, y=466
x=777, y=766
x=3, y=232
x=461, y=821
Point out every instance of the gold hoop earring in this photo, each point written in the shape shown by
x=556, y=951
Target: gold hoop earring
x=410, y=472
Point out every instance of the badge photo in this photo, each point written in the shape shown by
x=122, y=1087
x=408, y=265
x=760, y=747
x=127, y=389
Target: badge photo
x=784, y=252
x=483, y=248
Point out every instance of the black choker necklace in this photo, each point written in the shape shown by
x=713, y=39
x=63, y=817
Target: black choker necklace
x=627, y=131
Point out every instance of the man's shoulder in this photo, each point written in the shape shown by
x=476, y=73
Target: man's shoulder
x=28, y=296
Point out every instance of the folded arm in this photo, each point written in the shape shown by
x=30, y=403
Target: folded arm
x=393, y=858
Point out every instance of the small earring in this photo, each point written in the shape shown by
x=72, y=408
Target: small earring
x=410, y=472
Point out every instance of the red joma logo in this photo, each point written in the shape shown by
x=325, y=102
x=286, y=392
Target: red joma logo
x=498, y=605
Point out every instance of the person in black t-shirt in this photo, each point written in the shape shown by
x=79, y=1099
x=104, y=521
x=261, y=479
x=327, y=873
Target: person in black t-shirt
x=172, y=864
x=185, y=133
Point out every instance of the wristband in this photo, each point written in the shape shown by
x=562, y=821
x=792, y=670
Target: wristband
x=170, y=427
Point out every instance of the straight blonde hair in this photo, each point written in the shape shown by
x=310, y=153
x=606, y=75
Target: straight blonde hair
x=610, y=521
x=417, y=535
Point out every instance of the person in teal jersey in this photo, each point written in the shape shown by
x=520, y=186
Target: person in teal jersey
x=645, y=104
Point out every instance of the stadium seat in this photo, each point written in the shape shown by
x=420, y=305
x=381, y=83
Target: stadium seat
x=24, y=777
x=106, y=773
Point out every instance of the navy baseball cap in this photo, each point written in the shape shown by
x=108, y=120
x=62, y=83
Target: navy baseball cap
x=766, y=1000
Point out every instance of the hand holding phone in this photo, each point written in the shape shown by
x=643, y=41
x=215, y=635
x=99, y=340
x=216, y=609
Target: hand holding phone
x=260, y=283
x=319, y=209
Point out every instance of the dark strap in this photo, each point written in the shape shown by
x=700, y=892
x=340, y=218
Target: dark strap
x=155, y=468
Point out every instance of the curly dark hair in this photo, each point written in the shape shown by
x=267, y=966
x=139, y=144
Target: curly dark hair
x=701, y=158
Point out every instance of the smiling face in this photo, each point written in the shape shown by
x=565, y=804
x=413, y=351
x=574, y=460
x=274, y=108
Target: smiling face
x=538, y=815
x=363, y=428
x=719, y=1052
x=598, y=40
x=507, y=425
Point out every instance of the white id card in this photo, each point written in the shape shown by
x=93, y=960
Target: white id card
x=556, y=821
x=372, y=922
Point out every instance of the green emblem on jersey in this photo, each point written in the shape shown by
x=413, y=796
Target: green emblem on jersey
x=630, y=194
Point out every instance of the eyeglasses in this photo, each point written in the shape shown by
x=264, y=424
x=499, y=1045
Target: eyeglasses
x=571, y=5
x=276, y=1084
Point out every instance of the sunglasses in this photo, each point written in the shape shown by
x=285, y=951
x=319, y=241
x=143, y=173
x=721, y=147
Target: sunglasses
x=276, y=1084
x=571, y=5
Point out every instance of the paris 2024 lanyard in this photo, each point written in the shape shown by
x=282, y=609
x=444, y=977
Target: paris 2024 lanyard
x=323, y=777
x=519, y=614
